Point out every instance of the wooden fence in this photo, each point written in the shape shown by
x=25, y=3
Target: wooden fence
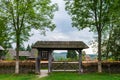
x=29, y=66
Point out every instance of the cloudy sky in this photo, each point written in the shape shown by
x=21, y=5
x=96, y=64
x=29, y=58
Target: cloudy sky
x=64, y=30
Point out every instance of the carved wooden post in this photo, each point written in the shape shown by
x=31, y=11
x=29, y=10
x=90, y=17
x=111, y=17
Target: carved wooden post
x=50, y=61
x=80, y=61
x=38, y=60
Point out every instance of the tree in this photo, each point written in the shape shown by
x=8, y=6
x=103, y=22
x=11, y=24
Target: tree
x=112, y=35
x=24, y=15
x=28, y=48
x=71, y=54
x=4, y=31
x=4, y=35
x=22, y=48
x=83, y=55
x=92, y=14
x=112, y=43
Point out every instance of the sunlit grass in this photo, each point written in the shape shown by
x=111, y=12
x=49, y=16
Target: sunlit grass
x=62, y=76
x=76, y=76
x=17, y=77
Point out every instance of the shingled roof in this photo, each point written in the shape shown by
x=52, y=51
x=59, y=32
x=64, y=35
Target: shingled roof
x=1, y=48
x=21, y=53
x=28, y=54
x=60, y=45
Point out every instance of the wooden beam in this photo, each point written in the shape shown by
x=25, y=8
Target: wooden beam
x=38, y=60
x=80, y=61
x=49, y=61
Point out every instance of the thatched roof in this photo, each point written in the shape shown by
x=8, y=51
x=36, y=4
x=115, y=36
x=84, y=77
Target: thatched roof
x=1, y=48
x=21, y=53
x=60, y=45
x=33, y=53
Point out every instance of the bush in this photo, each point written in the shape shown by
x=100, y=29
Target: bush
x=8, y=57
x=9, y=66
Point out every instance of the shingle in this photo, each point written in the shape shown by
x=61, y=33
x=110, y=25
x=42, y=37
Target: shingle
x=60, y=44
x=1, y=48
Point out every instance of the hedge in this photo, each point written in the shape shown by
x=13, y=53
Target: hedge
x=29, y=66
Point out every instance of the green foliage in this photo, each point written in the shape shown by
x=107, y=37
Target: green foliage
x=83, y=55
x=18, y=77
x=22, y=57
x=4, y=32
x=112, y=44
x=61, y=76
x=28, y=48
x=71, y=54
x=111, y=40
x=76, y=76
x=24, y=15
x=72, y=59
x=95, y=14
x=22, y=48
x=67, y=59
x=61, y=59
x=83, y=13
x=8, y=57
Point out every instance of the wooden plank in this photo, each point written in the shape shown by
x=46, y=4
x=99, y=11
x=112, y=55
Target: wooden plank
x=60, y=45
x=38, y=64
x=80, y=61
x=50, y=62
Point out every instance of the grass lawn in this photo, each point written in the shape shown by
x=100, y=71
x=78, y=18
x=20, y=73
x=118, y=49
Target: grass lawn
x=62, y=76
x=76, y=76
x=18, y=77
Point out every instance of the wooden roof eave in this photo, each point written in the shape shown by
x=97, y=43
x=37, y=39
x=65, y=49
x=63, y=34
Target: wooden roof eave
x=60, y=45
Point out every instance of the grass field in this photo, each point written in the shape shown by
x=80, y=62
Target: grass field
x=62, y=76
x=17, y=77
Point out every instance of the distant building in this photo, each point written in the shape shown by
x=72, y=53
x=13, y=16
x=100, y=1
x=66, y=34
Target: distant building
x=87, y=58
x=90, y=57
x=1, y=54
x=1, y=48
x=28, y=55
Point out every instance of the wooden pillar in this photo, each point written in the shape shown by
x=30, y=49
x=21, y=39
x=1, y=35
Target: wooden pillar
x=49, y=61
x=38, y=60
x=80, y=61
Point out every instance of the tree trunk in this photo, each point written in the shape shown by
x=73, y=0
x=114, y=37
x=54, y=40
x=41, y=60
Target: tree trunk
x=99, y=29
x=17, y=54
x=17, y=40
x=99, y=52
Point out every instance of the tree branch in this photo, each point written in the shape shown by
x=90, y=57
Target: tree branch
x=12, y=13
x=95, y=12
x=18, y=15
x=21, y=25
x=100, y=17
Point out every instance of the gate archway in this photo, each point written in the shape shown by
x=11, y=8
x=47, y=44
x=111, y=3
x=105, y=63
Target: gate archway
x=50, y=46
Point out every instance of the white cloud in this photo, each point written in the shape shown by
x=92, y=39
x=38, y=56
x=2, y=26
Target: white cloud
x=63, y=31
x=74, y=35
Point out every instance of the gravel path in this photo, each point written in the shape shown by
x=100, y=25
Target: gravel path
x=44, y=73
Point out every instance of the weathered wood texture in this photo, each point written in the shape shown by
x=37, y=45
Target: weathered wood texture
x=80, y=61
x=63, y=45
x=38, y=64
x=88, y=67
x=49, y=46
x=50, y=62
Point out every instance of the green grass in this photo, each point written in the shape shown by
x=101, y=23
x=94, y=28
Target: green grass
x=17, y=77
x=62, y=76
x=76, y=76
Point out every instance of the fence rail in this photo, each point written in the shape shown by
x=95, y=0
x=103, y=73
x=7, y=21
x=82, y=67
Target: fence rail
x=29, y=66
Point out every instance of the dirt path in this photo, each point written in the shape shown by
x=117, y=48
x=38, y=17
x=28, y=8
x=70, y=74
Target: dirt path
x=44, y=73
